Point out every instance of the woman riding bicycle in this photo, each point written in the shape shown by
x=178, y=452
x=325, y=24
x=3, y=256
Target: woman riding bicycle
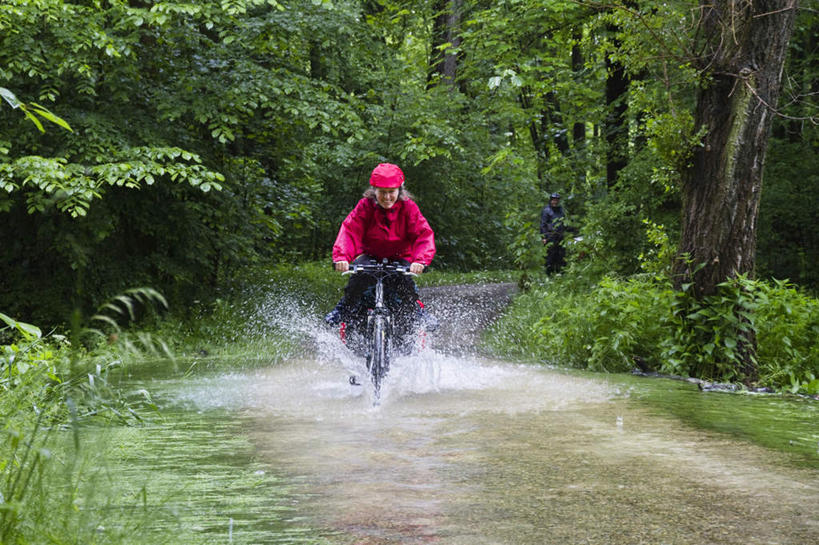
x=385, y=224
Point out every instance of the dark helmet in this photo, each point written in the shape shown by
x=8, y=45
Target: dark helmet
x=555, y=196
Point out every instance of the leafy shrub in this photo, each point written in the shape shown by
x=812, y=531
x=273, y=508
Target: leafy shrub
x=603, y=328
x=614, y=323
x=710, y=337
x=787, y=328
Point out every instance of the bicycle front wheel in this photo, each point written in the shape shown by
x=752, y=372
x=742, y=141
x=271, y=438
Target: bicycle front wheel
x=380, y=353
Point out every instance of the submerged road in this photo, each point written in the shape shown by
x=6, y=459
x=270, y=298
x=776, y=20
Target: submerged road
x=468, y=450
x=464, y=450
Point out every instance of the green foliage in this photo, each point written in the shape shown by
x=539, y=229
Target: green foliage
x=526, y=249
x=787, y=322
x=49, y=383
x=70, y=187
x=709, y=335
x=214, y=136
x=602, y=329
x=30, y=353
x=673, y=140
x=614, y=324
x=712, y=336
x=155, y=95
x=32, y=111
x=61, y=376
x=621, y=225
x=657, y=259
x=788, y=243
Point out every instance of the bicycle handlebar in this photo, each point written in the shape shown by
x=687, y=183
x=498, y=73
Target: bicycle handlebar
x=388, y=267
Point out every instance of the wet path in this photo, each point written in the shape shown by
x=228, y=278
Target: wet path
x=527, y=456
x=469, y=450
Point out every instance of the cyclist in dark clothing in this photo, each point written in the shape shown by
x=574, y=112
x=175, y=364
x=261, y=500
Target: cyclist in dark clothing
x=552, y=229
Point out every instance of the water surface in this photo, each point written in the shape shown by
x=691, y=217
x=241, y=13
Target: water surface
x=469, y=450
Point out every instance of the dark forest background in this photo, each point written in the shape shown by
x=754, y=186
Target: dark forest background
x=208, y=138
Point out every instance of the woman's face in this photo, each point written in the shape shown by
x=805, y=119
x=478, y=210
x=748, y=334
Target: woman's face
x=386, y=196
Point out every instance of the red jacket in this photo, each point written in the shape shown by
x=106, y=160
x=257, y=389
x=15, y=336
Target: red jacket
x=398, y=232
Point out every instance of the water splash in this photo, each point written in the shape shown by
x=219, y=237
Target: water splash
x=316, y=380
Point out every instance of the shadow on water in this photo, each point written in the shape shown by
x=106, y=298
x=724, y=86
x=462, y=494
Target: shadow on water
x=468, y=450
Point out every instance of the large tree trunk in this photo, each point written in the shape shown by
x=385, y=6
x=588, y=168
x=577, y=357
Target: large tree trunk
x=616, y=118
x=744, y=44
x=444, y=62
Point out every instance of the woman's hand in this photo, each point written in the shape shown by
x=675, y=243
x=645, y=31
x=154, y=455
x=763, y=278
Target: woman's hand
x=417, y=268
x=341, y=266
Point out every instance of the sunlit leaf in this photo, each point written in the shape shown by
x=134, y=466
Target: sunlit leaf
x=9, y=97
x=43, y=111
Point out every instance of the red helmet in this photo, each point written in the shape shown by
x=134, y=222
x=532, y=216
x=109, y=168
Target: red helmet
x=387, y=175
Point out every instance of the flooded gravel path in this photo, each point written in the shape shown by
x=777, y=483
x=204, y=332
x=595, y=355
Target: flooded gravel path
x=469, y=450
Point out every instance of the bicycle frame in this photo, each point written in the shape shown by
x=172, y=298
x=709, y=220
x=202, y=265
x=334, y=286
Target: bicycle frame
x=380, y=321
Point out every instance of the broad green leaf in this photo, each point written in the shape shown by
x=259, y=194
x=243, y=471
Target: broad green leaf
x=34, y=120
x=43, y=111
x=30, y=332
x=10, y=98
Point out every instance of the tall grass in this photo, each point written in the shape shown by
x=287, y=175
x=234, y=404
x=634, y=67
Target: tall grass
x=50, y=387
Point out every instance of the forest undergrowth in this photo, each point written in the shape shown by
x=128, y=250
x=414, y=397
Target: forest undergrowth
x=617, y=324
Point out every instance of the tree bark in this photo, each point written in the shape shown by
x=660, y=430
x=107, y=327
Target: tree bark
x=616, y=118
x=744, y=44
x=444, y=62
x=579, y=127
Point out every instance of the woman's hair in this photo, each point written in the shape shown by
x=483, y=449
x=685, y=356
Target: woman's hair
x=403, y=194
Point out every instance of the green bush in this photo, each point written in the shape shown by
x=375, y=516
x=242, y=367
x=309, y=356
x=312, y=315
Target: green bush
x=710, y=336
x=614, y=323
x=787, y=328
x=603, y=328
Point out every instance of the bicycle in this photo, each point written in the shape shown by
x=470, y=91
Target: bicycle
x=377, y=340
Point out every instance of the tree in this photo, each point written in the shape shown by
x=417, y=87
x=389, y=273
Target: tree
x=167, y=101
x=617, y=133
x=743, y=49
x=445, y=41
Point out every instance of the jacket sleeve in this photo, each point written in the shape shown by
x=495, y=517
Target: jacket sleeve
x=545, y=221
x=349, y=241
x=423, y=249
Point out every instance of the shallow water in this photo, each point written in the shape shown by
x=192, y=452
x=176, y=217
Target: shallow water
x=464, y=450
